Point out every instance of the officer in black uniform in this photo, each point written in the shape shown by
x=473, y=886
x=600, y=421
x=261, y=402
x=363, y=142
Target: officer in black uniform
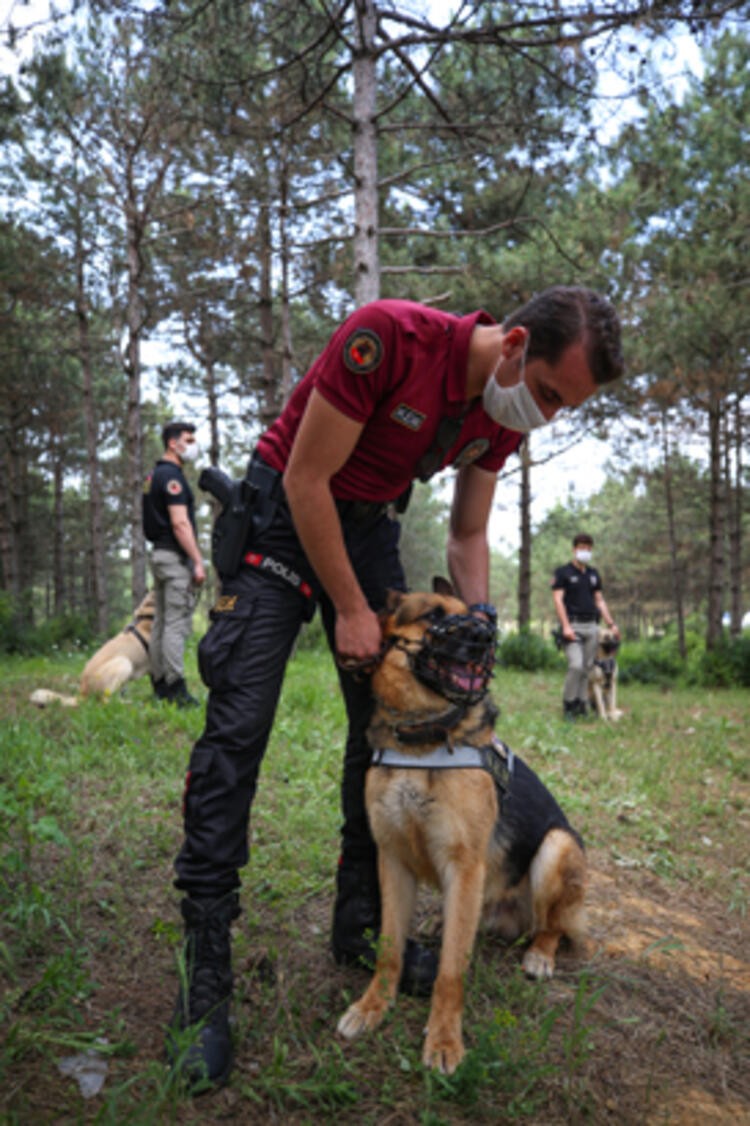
x=176, y=563
x=579, y=603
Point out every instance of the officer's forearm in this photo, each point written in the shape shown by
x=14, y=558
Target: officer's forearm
x=317, y=523
x=469, y=566
x=185, y=536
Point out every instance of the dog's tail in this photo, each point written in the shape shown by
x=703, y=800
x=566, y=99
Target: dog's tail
x=43, y=697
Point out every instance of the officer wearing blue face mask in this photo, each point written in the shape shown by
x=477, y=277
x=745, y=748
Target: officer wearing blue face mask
x=579, y=603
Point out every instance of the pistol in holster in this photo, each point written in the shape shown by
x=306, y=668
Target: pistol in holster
x=247, y=509
x=233, y=524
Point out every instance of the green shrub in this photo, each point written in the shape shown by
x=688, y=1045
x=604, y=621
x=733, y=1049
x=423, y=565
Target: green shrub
x=653, y=661
x=526, y=650
x=66, y=631
x=726, y=665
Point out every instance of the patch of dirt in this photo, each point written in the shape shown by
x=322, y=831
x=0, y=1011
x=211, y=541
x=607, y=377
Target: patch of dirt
x=670, y=1032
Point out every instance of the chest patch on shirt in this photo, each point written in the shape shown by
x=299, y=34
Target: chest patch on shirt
x=363, y=351
x=471, y=452
x=408, y=417
x=174, y=488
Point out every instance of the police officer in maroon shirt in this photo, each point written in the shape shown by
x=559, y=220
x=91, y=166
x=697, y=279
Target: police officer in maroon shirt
x=401, y=391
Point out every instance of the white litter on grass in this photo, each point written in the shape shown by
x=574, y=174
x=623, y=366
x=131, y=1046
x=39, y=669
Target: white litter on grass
x=89, y=1069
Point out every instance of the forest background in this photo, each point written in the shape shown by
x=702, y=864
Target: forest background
x=192, y=195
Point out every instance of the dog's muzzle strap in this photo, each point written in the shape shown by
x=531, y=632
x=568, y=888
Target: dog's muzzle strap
x=495, y=757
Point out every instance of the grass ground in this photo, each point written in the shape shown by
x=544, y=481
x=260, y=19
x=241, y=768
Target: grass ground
x=649, y=1024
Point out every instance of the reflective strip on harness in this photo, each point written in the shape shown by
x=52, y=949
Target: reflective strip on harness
x=280, y=570
x=496, y=759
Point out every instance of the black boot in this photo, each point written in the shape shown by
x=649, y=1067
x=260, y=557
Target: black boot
x=582, y=708
x=570, y=709
x=205, y=1057
x=356, y=925
x=159, y=686
x=177, y=693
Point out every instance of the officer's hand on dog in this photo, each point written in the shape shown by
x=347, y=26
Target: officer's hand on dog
x=358, y=637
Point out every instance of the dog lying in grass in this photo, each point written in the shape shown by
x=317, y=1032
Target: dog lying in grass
x=603, y=677
x=121, y=659
x=449, y=804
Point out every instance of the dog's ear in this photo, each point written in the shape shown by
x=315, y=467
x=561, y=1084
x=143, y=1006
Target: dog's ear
x=443, y=587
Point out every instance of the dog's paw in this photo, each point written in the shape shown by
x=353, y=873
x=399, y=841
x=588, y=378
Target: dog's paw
x=538, y=965
x=358, y=1019
x=443, y=1053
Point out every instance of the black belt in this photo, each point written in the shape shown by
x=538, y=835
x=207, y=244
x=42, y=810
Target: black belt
x=361, y=511
x=583, y=617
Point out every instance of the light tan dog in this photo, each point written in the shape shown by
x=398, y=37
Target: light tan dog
x=449, y=804
x=121, y=659
x=603, y=677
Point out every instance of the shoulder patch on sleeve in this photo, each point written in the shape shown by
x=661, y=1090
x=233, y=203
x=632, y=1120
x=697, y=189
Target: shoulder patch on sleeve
x=363, y=351
x=174, y=488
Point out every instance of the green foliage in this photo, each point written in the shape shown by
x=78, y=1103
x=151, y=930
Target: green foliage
x=66, y=631
x=657, y=661
x=526, y=650
x=726, y=665
x=653, y=661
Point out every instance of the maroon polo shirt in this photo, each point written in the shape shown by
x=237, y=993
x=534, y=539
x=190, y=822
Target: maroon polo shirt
x=399, y=368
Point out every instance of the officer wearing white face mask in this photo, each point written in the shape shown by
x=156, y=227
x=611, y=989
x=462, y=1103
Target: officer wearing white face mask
x=400, y=391
x=176, y=563
x=579, y=603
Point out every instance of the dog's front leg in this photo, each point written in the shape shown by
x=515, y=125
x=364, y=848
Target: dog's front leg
x=463, y=892
x=601, y=711
x=398, y=888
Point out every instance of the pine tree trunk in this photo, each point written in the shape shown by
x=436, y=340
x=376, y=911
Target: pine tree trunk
x=134, y=429
x=524, y=551
x=717, y=522
x=95, y=507
x=734, y=486
x=366, y=258
x=674, y=557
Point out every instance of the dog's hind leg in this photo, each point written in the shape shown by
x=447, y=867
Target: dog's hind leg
x=398, y=888
x=110, y=678
x=558, y=885
x=463, y=892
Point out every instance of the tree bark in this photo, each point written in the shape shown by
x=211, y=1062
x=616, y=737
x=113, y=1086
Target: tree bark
x=366, y=257
x=524, y=551
x=717, y=521
x=674, y=556
x=95, y=506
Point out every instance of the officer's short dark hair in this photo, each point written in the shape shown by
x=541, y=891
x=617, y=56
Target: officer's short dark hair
x=174, y=429
x=564, y=314
x=583, y=537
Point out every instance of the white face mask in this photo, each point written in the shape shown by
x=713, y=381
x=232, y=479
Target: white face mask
x=190, y=451
x=514, y=407
x=583, y=555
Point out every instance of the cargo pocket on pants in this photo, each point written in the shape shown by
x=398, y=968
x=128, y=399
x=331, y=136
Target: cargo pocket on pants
x=230, y=617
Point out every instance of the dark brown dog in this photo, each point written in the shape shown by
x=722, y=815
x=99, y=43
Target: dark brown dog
x=449, y=804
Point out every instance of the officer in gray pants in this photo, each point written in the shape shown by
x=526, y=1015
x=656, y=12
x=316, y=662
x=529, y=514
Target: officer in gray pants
x=579, y=604
x=176, y=563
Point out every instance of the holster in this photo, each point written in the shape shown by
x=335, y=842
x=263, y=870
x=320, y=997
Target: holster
x=247, y=509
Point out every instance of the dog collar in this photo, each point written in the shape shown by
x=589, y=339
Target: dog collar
x=495, y=757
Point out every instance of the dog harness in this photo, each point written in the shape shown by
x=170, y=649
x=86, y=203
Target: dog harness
x=495, y=757
x=133, y=628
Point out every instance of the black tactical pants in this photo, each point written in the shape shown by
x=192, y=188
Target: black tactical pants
x=242, y=659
